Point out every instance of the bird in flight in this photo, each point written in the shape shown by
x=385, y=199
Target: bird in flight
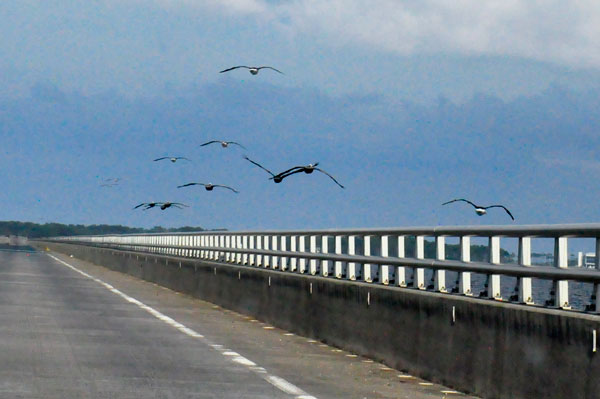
x=276, y=178
x=172, y=159
x=208, y=186
x=224, y=144
x=253, y=70
x=163, y=205
x=481, y=210
x=308, y=169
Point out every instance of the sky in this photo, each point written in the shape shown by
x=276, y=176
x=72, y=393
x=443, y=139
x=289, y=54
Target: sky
x=407, y=103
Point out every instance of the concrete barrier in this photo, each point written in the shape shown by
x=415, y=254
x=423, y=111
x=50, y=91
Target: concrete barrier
x=487, y=348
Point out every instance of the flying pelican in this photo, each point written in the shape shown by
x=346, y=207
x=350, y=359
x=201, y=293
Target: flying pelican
x=308, y=169
x=224, y=144
x=179, y=205
x=208, y=186
x=481, y=210
x=276, y=178
x=253, y=70
x=172, y=159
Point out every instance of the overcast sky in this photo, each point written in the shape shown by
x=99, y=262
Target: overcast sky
x=408, y=103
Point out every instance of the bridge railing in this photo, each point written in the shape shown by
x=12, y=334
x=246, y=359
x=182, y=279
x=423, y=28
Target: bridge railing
x=381, y=256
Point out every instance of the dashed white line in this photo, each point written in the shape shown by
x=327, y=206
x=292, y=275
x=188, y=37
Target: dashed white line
x=278, y=382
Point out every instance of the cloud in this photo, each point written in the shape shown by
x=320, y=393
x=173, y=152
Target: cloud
x=546, y=30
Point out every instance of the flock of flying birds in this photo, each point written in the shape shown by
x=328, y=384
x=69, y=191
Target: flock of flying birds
x=276, y=177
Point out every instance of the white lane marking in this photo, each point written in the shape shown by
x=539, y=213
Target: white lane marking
x=274, y=380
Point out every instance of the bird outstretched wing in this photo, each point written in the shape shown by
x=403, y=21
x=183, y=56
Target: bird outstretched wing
x=230, y=188
x=236, y=143
x=460, y=199
x=331, y=177
x=184, y=158
x=160, y=159
x=235, y=67
x=503, y=207
x=259, y=165
x=209, y=142
x=268, y=67
x=191, y=184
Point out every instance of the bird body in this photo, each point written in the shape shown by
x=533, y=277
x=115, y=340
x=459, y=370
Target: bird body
x=172, y=159
x=208, y=186
x=224, y=144
x=480, y=210
x=253, y=69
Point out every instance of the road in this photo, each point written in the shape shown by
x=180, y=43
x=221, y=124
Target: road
x=71, y=329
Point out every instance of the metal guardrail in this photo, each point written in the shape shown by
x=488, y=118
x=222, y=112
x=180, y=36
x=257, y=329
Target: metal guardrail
x=378, y=256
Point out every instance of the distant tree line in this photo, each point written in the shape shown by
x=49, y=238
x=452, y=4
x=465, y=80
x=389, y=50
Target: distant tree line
x=36, y=230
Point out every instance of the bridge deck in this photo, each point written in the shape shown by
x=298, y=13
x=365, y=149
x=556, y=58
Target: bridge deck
x=66, y=335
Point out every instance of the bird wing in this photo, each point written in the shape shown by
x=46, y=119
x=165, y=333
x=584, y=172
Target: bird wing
x=461, y=199
x=259, y=165
x=231, y=188
x=331, y=177
x=160, y=159
x=236, y=143
x=184, y=158
x=295, y=169
x=179, y=205
x=142, y=204
x=235, y=67
x=191, y=184
x=209, y=142
x=503, y=207
x=268, y=67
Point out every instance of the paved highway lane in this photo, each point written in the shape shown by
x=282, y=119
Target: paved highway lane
x=70, y=329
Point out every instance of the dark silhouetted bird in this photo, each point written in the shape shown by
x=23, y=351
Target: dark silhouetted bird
x=308, y=169
x=481, y=210
x=208, y=186
x=253, y=70
x=172, y=159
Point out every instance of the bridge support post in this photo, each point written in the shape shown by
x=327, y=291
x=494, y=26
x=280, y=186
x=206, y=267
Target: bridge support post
x=464, y=279
x=420, y=254
x=369, y=274
x=302, y=248
x=561, y=260
x=325, y=264
x=314, y=268
x=401, y=271
x=525, y=292
x=274, y=247
x=339, y=265
x=352, y=266
x=386, y=270
x=494, y=280
x=293, y=248
x=284, y=259
x=439, y=281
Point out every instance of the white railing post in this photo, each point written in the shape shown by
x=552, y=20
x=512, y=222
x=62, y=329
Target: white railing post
x=302, y=248
x=464, y=279
x=352, y=266
x=313, y=250
x=259, y=258
x=385, y=252
x=339, y=265
x=274, y=247
x=238, y=245
x=222, y=247
x=227, y=246
x=525, y=292
x=267, y=258
x=284, y=259
x=439, y=280
x=251, y=245
x=494, y=279
x=325, y=264
x=420, y=254
x=293, y=258
x=561, y=260
x=245, y=246
x=401, y=275
x=369, y=276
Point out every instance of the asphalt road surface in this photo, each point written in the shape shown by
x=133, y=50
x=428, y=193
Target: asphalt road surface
x=71, y=329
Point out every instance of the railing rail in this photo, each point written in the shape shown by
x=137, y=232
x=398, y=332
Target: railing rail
x=378, y=256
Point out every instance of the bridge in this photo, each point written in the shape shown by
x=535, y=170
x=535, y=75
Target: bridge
x=366, y=313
